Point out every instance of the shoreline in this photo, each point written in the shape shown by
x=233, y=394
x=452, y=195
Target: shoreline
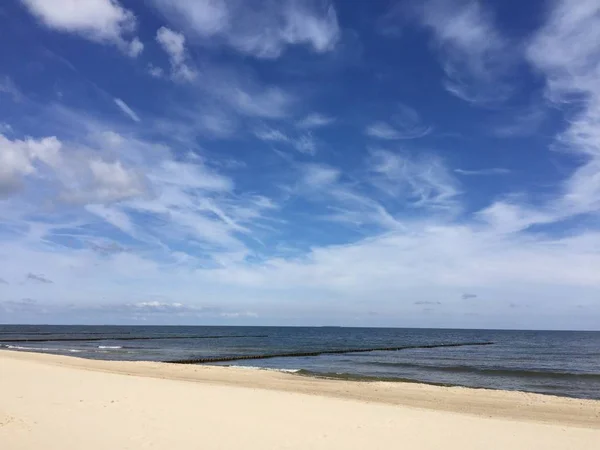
x=72, y=353
x=478, y=402
x=300, y=373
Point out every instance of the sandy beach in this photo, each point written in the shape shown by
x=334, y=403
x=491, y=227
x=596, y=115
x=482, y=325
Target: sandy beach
x=60, y=402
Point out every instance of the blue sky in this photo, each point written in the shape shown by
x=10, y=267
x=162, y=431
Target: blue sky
x=386, y=163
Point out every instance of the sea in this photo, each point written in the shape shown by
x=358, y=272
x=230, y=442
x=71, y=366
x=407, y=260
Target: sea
x=563, y=363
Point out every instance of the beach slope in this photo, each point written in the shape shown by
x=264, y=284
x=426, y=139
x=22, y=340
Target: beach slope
x=55, y=402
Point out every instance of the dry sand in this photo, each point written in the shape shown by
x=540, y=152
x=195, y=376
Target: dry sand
x=56, y=402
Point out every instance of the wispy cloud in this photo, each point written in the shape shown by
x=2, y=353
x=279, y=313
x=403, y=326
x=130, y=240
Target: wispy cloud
x=37, y=278
x=5, y=128
x=570, y=76
x=315, y=120
x=7, y=86
x=271, y=135
x=383, y=130
x=565, y=51
x=421, y=181
x=484, y=172
x=303, y=143
x=526, y=122
x=27, y=305
x=344, y=202
x=103, y=21
x=239, y=314
x=173, y=44
x=404, y=124
x=136, y=191
x=268, y=103
x=152, y=307
x=217, y=124
x=155, y=71
x=317, y=176
x=136, y=218
x=262, y=31
x=127, y=110
x=474, y=54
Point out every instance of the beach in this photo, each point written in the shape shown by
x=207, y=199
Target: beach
x=61, y=402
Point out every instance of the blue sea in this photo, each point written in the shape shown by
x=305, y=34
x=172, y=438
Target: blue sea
x=565, y=363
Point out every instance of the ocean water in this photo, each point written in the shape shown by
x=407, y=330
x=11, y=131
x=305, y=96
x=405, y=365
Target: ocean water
x=565, y=363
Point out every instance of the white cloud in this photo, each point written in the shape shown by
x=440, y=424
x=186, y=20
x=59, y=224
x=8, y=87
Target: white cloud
x=5, y=128
x=205, y=17
x=127, y=110
x=382, y=130
x=217, y=124
x=191, y=228
x=113, y=182
x=422, y=181
x=231, y=92
x=197, y=202
x=344, y=201
x=303, y=143
x=405, y=124
x=563, y=53
x=7, y=86
x=475, y=56
x=484, y=172
x=97, y=20
x=157, y=307
x=315, y=120
x=271, y=135
x=268, y=103
x=81, y=176
x=154, y=71
x=432, y=259
x=113, y=216
x=426, y=261
x=263, y=29
x=564, y=50
x=525, y=122
x=319, y=176
x=21, y=158
x=190, y=175
x=451, y=256
x=239, y=314
x=173, y=44
x=135, y=48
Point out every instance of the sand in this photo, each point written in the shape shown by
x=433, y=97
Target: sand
x=56, y=402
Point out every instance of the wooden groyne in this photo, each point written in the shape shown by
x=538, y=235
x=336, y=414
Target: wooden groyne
x=125, y=338
x=317, y=353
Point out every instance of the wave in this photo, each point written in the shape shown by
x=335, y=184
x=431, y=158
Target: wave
x=110, y=347
x=368, y=378
x=40, y=349
x=267, y=368
x=492, y=371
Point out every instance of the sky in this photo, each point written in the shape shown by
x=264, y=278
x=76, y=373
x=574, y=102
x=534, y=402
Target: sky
x=429, y=163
